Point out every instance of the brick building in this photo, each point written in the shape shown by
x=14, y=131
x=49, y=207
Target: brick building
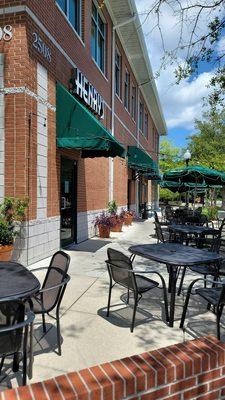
x=79, y=113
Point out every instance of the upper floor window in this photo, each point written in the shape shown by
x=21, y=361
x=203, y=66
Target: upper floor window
x=133, y=103
x=72, y=9
x=98, y=38
x=118, y=63
x=127, y=91
x=146, y=126
x=141, y=116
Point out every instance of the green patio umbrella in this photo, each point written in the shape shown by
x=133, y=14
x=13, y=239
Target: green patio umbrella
x=196, y=174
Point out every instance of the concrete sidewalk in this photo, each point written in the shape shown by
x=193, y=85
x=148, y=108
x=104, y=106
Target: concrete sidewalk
x=88, y=337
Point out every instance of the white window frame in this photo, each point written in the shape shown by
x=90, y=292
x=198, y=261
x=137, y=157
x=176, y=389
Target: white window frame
x=146, y=125
x=134, y=102
x=127, y=86
x=79, y=31
x=141, y=116
x=120, y=71
x=99, y=15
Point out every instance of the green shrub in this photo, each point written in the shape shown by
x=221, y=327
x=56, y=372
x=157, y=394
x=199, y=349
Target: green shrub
x=112, y=207
x=167, y=195
x=211, y=212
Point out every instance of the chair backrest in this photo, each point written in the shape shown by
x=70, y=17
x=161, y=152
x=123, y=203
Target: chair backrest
x=119, y=266
x=55, y=275
x=11, y=314
x=159, y=233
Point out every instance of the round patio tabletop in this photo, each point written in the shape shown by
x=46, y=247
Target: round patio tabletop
x=175, y=254
x=193, y=229
x=16, y=281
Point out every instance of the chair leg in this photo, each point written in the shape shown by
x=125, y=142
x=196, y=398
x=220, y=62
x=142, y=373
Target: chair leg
x=134, y=312
x=218, y=316
x=128, y=296
x=58, y=333
x=109, y=299
x=24, y=368
x=185, y=307
x=181, y=281
x=16, y=362
x=1, y=364
x=43, y=323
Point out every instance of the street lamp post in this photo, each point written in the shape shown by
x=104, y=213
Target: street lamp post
x=187, y=157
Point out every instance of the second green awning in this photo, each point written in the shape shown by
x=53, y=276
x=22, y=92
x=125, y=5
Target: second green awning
x=77, y=128
x=139, y=160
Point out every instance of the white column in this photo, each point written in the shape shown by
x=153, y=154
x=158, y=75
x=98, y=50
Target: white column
x=2, y=130
x=42, y=143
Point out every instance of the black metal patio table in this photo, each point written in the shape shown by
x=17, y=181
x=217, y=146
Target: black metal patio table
x=18, y=283
x=193, y=230
x=174, y=255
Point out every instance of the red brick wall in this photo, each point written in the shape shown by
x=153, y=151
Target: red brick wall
x=190, y=370
x=20, y=70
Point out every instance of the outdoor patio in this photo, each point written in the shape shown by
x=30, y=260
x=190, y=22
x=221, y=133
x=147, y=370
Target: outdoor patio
x=88, y=336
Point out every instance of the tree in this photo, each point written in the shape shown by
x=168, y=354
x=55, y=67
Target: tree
x=207, y=145
x=195, y=44
x=170, y=155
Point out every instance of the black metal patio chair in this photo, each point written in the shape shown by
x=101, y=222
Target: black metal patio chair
x=205, y=270
x=121, y=272
x=53, y=289
x=14, y=326
x=214, y=295
x=162, y=236
x=161, y=223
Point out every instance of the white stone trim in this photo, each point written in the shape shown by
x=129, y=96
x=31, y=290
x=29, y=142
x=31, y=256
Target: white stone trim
x=24, y=89
x=42, y=142
x=2, y=130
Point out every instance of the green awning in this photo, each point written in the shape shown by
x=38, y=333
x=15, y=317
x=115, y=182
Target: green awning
x=77, y=128
x=139, y=160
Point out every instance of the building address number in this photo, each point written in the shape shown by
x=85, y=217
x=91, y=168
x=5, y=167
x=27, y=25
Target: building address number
x=6, y=33
x=41, y=47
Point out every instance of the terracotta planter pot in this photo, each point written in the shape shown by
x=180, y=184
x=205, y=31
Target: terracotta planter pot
x=104, y=231
x=117, y=227
x=128, y=220
x=6, y=253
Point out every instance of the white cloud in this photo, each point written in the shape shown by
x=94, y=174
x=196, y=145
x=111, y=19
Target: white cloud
x=182, y=103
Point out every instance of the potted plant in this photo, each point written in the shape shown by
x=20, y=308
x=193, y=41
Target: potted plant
x=128, y=217
x=117, y=220
x=12, y=214
x=104, y=222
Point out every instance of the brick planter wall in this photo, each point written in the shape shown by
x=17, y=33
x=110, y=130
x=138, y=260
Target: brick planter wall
x=190, y=370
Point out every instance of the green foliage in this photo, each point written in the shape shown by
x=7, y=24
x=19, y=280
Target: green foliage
x=211, y=212
x=12, y=211
x=112, y=207
x=6, y=233
x=166, y=195
x=13, y=208
x=170, y=156
x=207, y=145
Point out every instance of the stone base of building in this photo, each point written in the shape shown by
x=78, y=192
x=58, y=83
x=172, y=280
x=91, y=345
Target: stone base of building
x=38, y=239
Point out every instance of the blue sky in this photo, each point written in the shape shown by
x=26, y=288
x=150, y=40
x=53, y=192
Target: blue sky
x=182, y=103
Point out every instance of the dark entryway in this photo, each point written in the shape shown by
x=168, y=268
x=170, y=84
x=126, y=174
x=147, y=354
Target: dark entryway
x=68, y=201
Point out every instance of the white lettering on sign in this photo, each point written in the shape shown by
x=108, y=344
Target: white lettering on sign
x=81, y=87
x=41, y=47
x=6, y=33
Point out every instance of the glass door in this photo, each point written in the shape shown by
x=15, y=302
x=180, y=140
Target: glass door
x=68, y=201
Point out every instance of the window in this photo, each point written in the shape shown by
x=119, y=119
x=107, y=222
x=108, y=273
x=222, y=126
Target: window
x=133, y=103
x=127, y=91
x=98, y=39
x=141, y=109
x=118, y=73
x=72, y=9
x=146, y=126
